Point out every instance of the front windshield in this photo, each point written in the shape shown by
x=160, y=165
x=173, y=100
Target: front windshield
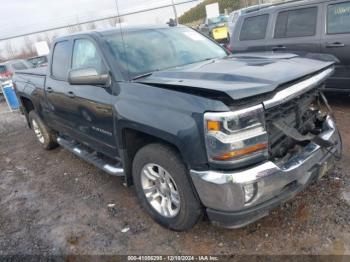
x=149, y=50
x=217, y=20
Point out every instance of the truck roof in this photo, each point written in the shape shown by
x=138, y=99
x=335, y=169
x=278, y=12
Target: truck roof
x=116, y=30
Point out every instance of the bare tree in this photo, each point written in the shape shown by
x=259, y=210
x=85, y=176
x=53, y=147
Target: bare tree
x=48, y=39
x=91, y=26
x=74, y=28
x=2, y=54
x=28, y=47
x=116, y=20
x=9, y=50
x=54, y=36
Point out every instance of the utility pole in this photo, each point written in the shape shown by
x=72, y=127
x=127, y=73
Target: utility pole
x=175, y=12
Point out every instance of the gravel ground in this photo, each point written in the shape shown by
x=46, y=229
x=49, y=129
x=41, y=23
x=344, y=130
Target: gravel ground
x=51, y=202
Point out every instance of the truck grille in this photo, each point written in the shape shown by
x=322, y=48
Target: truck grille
x=298, y=113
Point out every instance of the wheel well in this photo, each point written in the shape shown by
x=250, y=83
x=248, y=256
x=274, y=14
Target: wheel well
x=133, y=141
x=27, y=104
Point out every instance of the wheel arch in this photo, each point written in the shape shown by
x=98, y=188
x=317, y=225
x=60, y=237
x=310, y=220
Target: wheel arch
x=133, y=139
x=27, y=105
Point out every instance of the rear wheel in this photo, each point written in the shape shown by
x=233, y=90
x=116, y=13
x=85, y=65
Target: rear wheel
x=45, y=136
x=164, y=189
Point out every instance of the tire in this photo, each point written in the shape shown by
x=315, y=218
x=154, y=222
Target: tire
x=157, y=156
x=45, y=136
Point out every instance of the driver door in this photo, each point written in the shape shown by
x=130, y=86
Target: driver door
x=92, y=115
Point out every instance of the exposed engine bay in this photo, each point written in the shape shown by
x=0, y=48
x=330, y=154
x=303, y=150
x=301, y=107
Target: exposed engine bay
x=294, y=124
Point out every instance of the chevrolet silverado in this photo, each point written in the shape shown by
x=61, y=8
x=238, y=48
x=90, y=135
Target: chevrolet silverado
x=196, y=130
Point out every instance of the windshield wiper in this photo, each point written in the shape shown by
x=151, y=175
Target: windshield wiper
x=211, y=59
x=142, y=76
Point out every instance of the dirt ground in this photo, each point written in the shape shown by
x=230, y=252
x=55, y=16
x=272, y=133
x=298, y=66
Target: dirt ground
x=51, y=202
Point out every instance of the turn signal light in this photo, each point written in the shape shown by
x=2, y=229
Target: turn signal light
x=213, y=125
x=241, y=152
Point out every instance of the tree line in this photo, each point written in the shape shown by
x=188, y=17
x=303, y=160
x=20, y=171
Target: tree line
x=12, y=50
x=198, y=12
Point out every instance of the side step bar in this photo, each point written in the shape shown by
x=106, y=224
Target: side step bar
x=114, y=170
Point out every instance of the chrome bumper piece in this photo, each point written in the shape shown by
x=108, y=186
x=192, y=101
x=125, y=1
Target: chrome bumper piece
x=225, y=191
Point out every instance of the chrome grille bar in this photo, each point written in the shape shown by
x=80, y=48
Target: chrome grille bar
x=298, y=89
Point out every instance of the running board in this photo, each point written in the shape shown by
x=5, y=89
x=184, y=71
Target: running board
x=75, y=148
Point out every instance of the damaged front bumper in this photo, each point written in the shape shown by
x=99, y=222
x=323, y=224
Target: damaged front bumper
x=235, y=199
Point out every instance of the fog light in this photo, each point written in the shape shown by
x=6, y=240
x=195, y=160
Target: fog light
x=250, y=191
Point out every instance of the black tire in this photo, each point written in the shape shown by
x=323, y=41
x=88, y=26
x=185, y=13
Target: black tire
x=48, y=140
x=190, y=207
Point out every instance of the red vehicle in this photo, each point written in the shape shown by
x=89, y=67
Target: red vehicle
x=4, y=73
x=8, y=68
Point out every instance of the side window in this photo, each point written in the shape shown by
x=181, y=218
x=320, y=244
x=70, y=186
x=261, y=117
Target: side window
x=296, y=23
x=60, y=60
x=254, y=28
x=19, y=66
x=85, y=55
x=338, y=18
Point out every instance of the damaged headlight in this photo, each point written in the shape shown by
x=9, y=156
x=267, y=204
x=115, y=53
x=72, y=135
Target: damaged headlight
x=236, y=137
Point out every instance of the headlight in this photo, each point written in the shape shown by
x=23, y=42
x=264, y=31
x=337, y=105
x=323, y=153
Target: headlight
x=236, y=137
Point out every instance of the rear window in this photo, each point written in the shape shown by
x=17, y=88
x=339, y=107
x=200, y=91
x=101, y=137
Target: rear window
x=338, y=18
x=254, y=28
x=61, y=60
x=2, y=69
x=296, y=23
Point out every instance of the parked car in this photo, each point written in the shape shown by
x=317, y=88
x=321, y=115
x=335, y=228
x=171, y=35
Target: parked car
x=233, y=17
x=321, y=26
x=7, y=69
x=216, y=28
x=38, y=61
x=194, y=129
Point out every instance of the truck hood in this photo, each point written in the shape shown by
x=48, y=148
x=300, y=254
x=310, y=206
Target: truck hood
x=239, y=76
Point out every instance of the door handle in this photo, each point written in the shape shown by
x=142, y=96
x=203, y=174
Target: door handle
x=278, y=47
x=71, y=94
x=336, y=44
x=49, y=89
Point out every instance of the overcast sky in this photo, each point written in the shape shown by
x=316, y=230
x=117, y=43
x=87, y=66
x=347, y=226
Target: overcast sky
x=25, y=16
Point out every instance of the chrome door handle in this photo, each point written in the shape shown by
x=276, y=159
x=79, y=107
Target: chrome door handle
x=336, y=44
x=278, y=47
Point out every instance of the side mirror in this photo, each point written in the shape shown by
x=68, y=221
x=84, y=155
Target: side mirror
x=88, y=76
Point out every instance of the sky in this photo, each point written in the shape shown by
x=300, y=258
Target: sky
x=33, y=15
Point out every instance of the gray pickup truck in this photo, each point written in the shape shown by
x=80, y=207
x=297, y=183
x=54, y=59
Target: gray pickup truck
x=195, y=130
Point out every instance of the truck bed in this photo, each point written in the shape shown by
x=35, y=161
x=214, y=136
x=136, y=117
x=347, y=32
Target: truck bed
x=29, y=80
x=33, y=71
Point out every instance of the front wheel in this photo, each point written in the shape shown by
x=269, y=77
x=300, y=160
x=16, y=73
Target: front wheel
x=164, y=189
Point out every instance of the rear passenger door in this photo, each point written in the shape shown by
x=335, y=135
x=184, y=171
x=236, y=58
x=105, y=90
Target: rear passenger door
x=250, y=34
x=336, y=41
x=58, y=103
x=296, y=29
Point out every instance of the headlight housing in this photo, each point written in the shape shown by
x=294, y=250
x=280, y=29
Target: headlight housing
x=237, y=137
